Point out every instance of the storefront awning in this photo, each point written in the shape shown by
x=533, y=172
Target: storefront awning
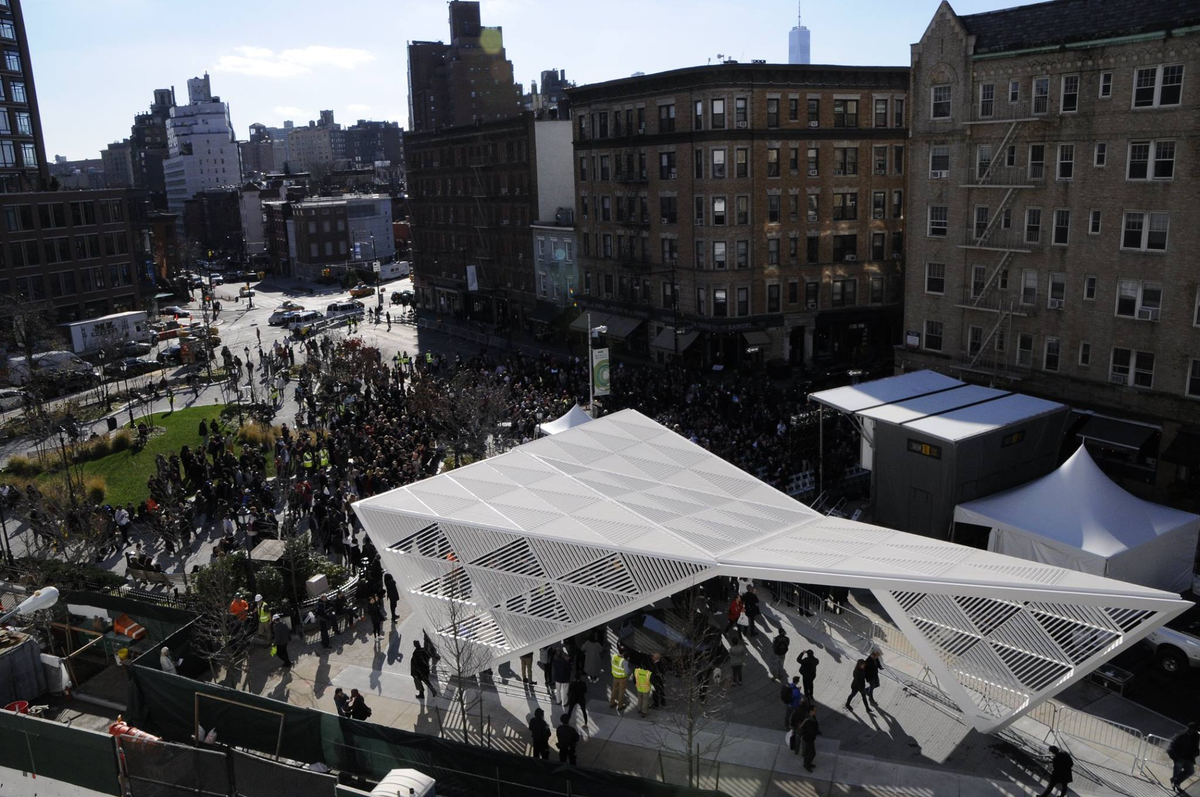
x=581, y=324
x=665, y=340
x=621, y=327
x=1116, y=433
x=1184, y=449
x=756, y=337
x=545, y=313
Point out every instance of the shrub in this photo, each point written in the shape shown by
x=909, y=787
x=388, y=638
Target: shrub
x=122, y=440
x=95, y=487
x=269, y=582
x=98, y=448
x=337, y=575
x=24, y=467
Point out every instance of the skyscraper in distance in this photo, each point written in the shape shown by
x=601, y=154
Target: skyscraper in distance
x=798, y=43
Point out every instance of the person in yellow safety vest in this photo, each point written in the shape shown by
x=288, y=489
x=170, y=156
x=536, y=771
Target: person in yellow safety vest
x=264, y=616
x=620, y=674
x=324, y=455
x=429, y=358
x=274, y=396
x=307, y=460
x=641, y=680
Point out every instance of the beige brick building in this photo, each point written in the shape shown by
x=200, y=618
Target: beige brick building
x=770, y=196
x=1053, y=177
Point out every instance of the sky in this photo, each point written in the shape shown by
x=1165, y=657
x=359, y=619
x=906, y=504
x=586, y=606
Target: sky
x=96, y=63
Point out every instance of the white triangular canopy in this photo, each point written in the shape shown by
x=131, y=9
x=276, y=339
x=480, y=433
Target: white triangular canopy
x=1077, y=518
x=576, y=416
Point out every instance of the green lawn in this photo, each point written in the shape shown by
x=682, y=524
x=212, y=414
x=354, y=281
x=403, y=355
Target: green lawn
x=126, y=472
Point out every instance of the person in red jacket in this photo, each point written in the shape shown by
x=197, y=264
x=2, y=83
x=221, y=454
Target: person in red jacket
x=735, y=611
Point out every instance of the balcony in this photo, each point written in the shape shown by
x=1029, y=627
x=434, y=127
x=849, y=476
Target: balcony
x=996, y=300
x=998, y=240
x=632, y=177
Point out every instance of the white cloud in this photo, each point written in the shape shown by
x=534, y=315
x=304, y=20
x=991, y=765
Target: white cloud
x=262, y=62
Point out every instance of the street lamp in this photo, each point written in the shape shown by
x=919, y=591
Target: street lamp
x=44, y=598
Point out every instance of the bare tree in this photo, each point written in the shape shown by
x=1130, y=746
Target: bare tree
x=460, y=627
x=694, y=723
x=218, y=635
x=463, y=413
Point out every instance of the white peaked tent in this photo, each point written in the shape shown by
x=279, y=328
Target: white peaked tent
x=1077, y=518
x=576, y=416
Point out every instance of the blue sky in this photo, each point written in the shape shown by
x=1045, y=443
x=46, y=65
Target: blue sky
x=97, y=62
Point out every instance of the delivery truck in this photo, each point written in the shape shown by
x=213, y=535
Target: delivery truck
x=108, y=332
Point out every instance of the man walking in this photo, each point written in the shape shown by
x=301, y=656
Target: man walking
x=808, y=671
x=281, y=635
x=790, y=695
x=779, y=646
x=561, y=670
x=809, y=731
x=1061, y=765
x=1183, y=751
x=641, y=682
x=539, y=732
x=418, y=668
x=568, y=739
x=874, y=665
x=858, y=685
x=658, y=686
x=527, y=668
x=577, y=696
x=359, y=710
x=620, y=674
x=752, y=609
x=341, y=702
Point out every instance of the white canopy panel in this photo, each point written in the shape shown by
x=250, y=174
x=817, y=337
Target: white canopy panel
x=1077, y=518
x=979, y=419
x=576, y=416
x=902, y=412
x=571, y=531
x=856, y=398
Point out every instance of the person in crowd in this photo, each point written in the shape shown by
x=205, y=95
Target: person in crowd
x=341, y=702
x=1183, y=752
x=165, y=662
x=737, y=658
x=858, y=685
x=620, y=675
x=1061, y=766
x=577, y=694
x=643, y=685
x=539, y=733
x=874, y=665
x=808, y=671
x=568, y=740
x=359, y=709
x=527, y=668
x=281, y=635
x=809, y=730
x=779, y=649
x=419, y=668
x=561, y=672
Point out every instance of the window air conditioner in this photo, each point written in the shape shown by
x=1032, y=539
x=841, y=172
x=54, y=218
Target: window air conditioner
x=1118, y=379
x=813, y=173
x=1056, y=304
x=880, y=170
x=850, y=258
x=812, y=216
x=839, y=172
x=879, y=214
x=897, y=255
x=743, y=125
x=814, y=124
x=672, y=174
x=811, y=305
x=642, y=129
x=1147, y=314
x=663, y=220
x=504, y=190
x=938, y=175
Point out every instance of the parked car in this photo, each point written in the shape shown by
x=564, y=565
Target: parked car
x=11, y=398
x=290, y=305
x=1176, y=645
x=131, y=366
x=176, y=310
x=280, y=316
x=216, y=279
x=361, y=290
x=244, y=291
x=402, y=297
x=344, y=308
x=303, y=319
x=136, y=348
x=171, y=354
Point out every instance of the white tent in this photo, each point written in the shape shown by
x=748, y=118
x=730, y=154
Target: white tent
x=576, y=416
x=1077, y=518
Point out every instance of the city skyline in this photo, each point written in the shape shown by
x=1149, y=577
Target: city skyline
x=297, y=71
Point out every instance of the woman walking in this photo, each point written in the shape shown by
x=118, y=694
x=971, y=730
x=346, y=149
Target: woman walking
x=858, y=685
x=737, y=658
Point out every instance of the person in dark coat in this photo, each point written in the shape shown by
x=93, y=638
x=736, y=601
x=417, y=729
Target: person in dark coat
x=1061, y=765
x=809, y=730
x=375, y=612
x=858, y=685
x=752, y=609
x=1183, y=751
x=341, y=702
x=359, y=709
x=874, y=665
x=560, y=669
x=281, y=635
x=539, y=731
x=393, y=594
x=808, y=670
x=577, y=696
x=418, y=668
x=658, y=687
x=568, y=739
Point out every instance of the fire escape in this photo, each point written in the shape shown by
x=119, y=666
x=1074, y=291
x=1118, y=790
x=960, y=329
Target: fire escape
x=990, y=298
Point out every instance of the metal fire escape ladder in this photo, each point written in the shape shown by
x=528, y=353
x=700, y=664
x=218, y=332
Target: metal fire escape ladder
x=478, y=192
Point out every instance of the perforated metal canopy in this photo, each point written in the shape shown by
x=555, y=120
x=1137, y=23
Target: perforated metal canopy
x=571, y=531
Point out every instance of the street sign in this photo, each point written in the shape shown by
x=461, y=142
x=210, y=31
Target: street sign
x=600, y=375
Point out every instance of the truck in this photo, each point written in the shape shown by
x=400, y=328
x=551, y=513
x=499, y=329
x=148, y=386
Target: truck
x=56, y=364
x=393, y=271
x=109, y=331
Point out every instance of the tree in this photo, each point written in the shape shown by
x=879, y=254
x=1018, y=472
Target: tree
x=218, y=636
x=464, y=413
x=458, y=625
x=695, y=722
x=26, y=327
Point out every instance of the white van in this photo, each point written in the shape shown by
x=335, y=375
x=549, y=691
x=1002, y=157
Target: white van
x=48, y=362
x=304, y=319
x=338, y=309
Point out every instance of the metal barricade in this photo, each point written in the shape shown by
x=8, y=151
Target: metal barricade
x=164, y=769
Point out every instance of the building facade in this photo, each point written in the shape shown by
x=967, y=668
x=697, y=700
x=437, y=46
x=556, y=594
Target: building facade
x=557, y=270
x=307, y=237
x=79, y=252
x=799, y=42
x=203, y=153
x=118, y=165
x=741, y=213
x=148, y=148
x=370, y=142
x=473, y=192
x=1054, y=172
x=22, y=147
x=212, y=219
x=466, y=80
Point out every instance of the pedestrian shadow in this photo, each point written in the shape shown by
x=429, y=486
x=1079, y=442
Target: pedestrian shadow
x=394, y=655
x=321, y=676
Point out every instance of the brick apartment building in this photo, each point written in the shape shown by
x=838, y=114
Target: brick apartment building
x=473, y=192
x=744, y=212
x=1053, y=174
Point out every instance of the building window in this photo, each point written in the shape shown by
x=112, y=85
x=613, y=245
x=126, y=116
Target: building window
x=1025, y=350
x=1100, y=158
x=814, y=113
x=1141, y=167
x=743, y=302
x=772, y=251
x=719, y=255
x=1037, y=161
x=699, y=250
x=666, y=165
x=982, y=217
x=881, y=113
x=1155, y=86
x=845, y=248
x=698, y=163
x=1069, y=99
x=878, y=204
x=1140, y=235
x=1062, y=226
x=773, y=298
x=876, y=289
x=813, y=207
x=1089, y=288
x=1131, y=367
x=772, y=112
x=741, y=162
x=845, y=206
x=878, y=244
x=1105, y=85
x=741, y=254
x=1085, y=354
x=772, y=161
x=720, y=302
x=794, y=109
x=28, y=154
x=1014, y=91
x=1050, y=354
x=845, y=113
x=812, y=295
x=939, y=161
x=666, y=118
x=940, y=102
x=1033, y=225
x=845, y=161
x=879, y=156
x=699, y=203
x=773, y=209
x=812, y=249
x=794, y=159
x=933, y=335
x=1041, y=95
x=1029, y=286
x=18, y=92
x=987, y=100
x=1058, y=291
x=1138, y=299
x=741, y=111
x=1193, y=380
x=935, y=278
x=939, y=220
x=898, y=159
x=1066, y=161
x=12, y=60
x=983, y=161
x=718, y=206
x=844, y=293
x=741, y=210
x=897, y=204
x=718, y=163
x=698, y=116
x=24, y=123
x=668, y=209
x=794, y=207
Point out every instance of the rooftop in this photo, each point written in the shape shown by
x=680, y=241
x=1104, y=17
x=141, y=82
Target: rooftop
x=1068, y=21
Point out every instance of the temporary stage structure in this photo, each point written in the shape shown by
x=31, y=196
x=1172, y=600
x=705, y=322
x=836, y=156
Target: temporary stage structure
x=568, y=532
x=1077, y=518
x=573, y=417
